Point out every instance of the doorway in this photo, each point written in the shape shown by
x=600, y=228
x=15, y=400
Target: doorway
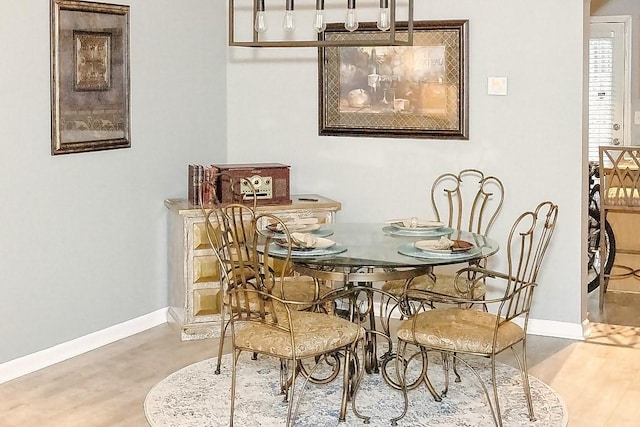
x=610, y=123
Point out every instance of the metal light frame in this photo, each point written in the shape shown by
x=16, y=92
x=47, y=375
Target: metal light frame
x=390, y=37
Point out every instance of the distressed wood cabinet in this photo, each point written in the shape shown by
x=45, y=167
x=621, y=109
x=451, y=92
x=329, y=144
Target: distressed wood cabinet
x=195, y=297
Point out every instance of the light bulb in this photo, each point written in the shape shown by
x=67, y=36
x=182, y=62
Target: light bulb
x=384, y=17
x=319, y=23
x=261, y=23
x=289, y=23
x=351, y=21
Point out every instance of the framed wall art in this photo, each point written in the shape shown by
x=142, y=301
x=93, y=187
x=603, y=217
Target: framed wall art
x=89, y=77
x=417, y=91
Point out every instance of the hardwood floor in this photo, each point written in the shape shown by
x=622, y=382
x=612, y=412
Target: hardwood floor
x=597, y=378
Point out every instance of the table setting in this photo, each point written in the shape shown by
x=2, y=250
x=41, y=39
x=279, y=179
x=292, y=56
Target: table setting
x=308, y=237
x=416, y=227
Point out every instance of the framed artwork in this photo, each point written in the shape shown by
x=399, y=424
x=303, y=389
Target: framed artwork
x=89, y=77
x=417, y=91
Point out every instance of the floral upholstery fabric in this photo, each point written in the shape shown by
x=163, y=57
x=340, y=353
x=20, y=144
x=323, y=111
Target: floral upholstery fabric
x=459, y=330
x=443, y=285
x=237, y=301
x=301, y=289
x=396, y=287
x=313, y=333
x=292, y=289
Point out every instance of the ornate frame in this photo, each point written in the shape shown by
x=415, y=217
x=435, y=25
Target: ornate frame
x=417, y=91
x=89, y=77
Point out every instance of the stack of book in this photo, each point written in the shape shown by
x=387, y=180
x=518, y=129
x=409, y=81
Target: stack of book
x=202, y=185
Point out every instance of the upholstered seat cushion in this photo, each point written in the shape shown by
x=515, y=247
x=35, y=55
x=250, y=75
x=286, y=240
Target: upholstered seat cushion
x=238, y=301
x=314, y=333
x=301, y=289
x=396, y=287
x=459, y=330
x=443, y=285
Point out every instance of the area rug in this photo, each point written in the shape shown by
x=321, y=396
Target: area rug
x=195, y=397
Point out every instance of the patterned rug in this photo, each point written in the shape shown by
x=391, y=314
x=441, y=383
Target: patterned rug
x=195, y=397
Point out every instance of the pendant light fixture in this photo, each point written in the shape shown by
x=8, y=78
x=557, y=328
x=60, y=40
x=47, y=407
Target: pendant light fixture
x=391, y=31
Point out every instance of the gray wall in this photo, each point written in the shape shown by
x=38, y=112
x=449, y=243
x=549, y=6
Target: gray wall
x=533, y=138
x=83, y=236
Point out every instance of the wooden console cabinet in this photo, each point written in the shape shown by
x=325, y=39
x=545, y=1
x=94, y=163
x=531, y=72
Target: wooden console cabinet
x=195, y=297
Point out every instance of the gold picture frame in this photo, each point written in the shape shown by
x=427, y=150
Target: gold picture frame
x=417, y=91
x=89, y=77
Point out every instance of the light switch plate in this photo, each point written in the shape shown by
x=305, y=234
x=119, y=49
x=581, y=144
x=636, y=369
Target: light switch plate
x=636, y=119
x=497, y=86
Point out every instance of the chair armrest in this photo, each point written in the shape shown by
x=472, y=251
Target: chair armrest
x=474, y=271
x=474, y=275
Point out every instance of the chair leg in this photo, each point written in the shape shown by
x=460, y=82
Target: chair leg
x=495, y=410
x=425, y=373
x=290, y=392
x=234, y=367
x=497, y=415
x=401, y=372
x=345, y=385
x=445, y=367
x=524, y=371
x=284, y=379
x=455, y=370
x=355, y=378
x=223, y=333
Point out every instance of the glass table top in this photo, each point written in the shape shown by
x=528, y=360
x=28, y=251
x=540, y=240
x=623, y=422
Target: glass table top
x=381, y=245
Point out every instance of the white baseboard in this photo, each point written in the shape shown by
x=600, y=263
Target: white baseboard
x=50, y=356
x=549, y=328
x=552, y=328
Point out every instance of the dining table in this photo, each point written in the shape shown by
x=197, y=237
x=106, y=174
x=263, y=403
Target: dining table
x=362, y=246
x=360, y=254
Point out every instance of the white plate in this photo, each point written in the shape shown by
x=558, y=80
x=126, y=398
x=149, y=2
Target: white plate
x=311, y=241
x=419, y=224
x=445, y=256
x=303, y=228
x=417, y=232
x=432, y=246
x=294, y=226
x=308, y=253
x=438, y=246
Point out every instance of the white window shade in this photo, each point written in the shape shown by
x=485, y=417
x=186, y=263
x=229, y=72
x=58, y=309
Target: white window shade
x=602, y=94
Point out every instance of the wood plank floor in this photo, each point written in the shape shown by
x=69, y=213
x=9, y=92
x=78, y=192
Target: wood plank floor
x=598, y=379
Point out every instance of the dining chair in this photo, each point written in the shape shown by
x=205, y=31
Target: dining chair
x=228, y=230
x=619, y=169
x=287, y=329
x=469, y=201
x=460, y=331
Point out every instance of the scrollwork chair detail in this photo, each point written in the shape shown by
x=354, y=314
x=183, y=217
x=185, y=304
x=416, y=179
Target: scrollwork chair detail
x=460, y=331
x=467, y=201
x=228, y=230
x=286, y=329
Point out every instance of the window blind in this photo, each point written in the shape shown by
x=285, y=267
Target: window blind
x=601, y=94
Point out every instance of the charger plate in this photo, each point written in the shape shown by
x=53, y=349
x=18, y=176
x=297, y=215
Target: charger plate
x=416, y=232
x=274, y=249
x=410, y=250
